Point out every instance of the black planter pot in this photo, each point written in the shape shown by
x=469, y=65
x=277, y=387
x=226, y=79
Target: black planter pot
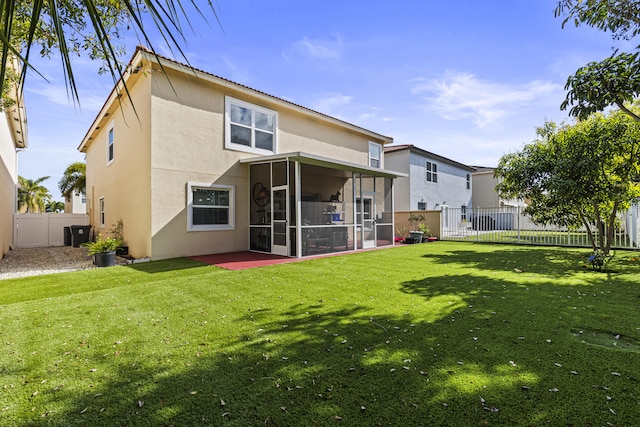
x=105, y=259
x=122, y=251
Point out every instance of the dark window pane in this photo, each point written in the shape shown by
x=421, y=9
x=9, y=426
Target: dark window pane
x=206, y=197
x=264, y=140
x=203, y=197
x=240, y=135
x=222, y=198
x=210, y=216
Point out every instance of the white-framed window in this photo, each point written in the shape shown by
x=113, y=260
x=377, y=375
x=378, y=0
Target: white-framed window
x=432, y=172
x=375, y=154
x=101, y=213
x=110, y=143
x=249, y=127
x=210, y=207
x=463, y=213
x=468, y=181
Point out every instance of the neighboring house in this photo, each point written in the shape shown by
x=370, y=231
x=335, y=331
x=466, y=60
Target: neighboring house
x=433, y=182
x=13, y=138
x=204, y=165
x=484, y=190
x=76, y=205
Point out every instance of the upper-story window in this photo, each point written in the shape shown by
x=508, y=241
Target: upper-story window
x=468, y=182
x=375, y=153
x=432, y=172
x=249, y=127
x=110, y=142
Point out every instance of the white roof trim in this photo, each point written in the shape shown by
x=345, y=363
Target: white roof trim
x=314, y=159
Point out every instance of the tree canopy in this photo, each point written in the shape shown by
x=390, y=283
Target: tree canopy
x=74, y=180
x=69, y=27
x=578, y=175
x=32, y=195
x=614, y=80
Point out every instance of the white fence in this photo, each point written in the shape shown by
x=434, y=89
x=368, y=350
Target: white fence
x=38, y=230
x=510, y=225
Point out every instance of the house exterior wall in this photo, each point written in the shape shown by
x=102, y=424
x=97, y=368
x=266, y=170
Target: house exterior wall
x=399, y=161
x=124, y=184
x=178, y=138
x=451, y=186
x=484, y=194
x=8, y=184
x=77, y=204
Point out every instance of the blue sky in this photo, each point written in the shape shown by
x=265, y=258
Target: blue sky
x=469, y=80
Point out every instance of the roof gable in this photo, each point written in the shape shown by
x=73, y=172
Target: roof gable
x=143, y=55
x=425, y=153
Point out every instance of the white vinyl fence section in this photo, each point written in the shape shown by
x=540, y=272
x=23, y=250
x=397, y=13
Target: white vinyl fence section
x=511, y=225
x=39, y=230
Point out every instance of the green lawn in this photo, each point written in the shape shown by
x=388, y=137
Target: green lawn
x=444, y=333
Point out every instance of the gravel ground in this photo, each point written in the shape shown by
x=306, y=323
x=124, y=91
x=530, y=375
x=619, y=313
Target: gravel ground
x=36, y=261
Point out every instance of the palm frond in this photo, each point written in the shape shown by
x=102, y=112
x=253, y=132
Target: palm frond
x=166, y=16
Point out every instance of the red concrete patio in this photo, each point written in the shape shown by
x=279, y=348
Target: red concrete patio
x=242, y=260
x=247, y=259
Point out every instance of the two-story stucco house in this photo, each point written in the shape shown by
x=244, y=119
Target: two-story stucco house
x=484, y=190
x=13, y=137
x=204, y=165
x=433, y=182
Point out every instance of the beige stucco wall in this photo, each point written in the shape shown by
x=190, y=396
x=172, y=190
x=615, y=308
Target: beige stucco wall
x=188, y=135
x=431, y=220
x=125, y=184
x=483, y=191
x=399, y=161
x=8, y=182
x=178, y=138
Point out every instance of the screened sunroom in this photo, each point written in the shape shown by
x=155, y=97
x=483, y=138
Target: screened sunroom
x=302, y=205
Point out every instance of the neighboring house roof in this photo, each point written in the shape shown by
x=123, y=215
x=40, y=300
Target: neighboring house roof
x=17, y=113
x=483, y=169
x=18, y=122
x=411, y=147
x=142, y=53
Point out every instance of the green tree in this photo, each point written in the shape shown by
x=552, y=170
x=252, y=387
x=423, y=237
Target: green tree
x=614, y=80
x=74, y=180
x=69, y=27
x=578, y=175
x=54, y=206
x=32, y=195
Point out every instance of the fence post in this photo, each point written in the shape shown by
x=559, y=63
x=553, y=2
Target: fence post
x=518, y=224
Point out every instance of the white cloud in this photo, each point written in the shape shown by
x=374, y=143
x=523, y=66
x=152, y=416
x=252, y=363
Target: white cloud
x=459, y=96
x=332, y=104
x=320, y=48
